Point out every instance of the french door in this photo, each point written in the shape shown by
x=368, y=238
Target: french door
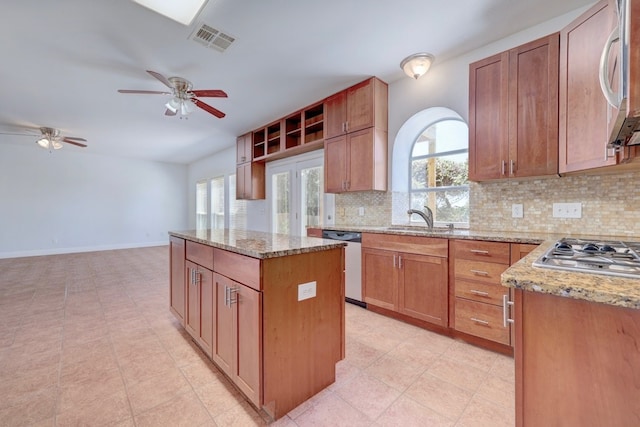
x=296, y=194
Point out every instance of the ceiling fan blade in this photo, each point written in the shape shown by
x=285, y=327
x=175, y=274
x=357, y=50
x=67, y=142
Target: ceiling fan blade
x=160, y=77
x=17, y=134
x=69, y=141
x=170, y=113
x=75, y=139
x=210, y=93
x=147, y=92
x=208, y=108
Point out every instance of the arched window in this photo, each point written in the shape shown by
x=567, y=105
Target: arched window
x=430, y=167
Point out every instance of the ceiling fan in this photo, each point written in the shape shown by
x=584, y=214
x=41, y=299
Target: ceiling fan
x=50, y=138
x=183, y=96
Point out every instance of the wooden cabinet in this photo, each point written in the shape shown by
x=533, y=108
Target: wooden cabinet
x=513, y=112
x=577, y=362
x=356, y=162
x=177, y=293
x=250, y=181
x=199, y=319
x=356, y=122
x=584, y=112
x=407, y=275
x=359, y=107
x=244, y=148
x=477, y=267
x=237, y=349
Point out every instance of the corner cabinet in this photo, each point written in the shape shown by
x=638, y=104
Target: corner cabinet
x=584, y=111
x=513, y=112
x=356, y=141
x=408, y=275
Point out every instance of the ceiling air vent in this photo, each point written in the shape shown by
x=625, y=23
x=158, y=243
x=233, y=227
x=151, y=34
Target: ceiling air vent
x=210, y=37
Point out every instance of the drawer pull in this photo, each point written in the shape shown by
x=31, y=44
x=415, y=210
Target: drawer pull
x=478, y=252
x=479, y=293
x=480, y=272
x=506, y=304
x=480, y=321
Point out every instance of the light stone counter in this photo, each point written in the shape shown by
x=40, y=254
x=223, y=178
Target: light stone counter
x=257, y=244
x=619, y=291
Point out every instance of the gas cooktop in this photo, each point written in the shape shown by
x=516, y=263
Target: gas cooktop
x=614, y=258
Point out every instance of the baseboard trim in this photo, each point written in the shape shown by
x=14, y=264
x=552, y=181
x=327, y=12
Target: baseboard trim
x=75, y=250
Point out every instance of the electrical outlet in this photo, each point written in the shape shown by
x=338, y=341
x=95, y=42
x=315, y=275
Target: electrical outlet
x=567, y=210
x=306, y=290
x=361, y=211
x=517, y=210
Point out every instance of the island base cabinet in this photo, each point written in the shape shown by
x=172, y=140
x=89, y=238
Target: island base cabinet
x=577, y=362
x=238, y=339
x=199, y=316
x=177, y=294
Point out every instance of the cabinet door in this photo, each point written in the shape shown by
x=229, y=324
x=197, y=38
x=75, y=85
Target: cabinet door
x=240, y=181
x=192, y=316
x=360, y=106
x=335, y=160
x=207, y=300
x=360, y=160
x=335, y=115
x=243, y=148
x=583, y=108
x=379, y=278
x=250, y=181
x=423, y=287
x=533, y=108
x=223, y=345
x=247, y=308
x=178, y=291
x=488, y=127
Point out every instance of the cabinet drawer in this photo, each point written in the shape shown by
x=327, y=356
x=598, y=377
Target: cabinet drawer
x=241, y=268
x=480, y=271
x=481, y=320
x=482, y=251
x=200, y=254
x=489, y=293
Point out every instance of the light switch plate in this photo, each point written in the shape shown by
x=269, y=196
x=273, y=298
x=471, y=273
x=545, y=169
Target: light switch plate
x=567, y=210
x=306, y=290
x=517, y=210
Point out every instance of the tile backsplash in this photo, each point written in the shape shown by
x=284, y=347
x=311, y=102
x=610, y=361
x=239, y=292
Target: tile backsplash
x=610, y=205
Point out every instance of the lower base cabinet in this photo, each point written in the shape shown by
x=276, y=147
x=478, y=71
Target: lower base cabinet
x=238, y=335
x=199, y=316
x=577, y=362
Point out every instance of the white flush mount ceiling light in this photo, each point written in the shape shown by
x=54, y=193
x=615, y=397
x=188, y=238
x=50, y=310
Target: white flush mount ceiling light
x=417, y=64
x=182, y=11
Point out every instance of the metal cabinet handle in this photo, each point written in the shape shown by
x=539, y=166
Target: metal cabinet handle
x=512, y=166
x=478, y=252
x=233, y=291
x=505, y=310
x=479, y=272
x=482, y=322
x=394, y=261
x=479, y=293
x=504, y=167
x=399, y=261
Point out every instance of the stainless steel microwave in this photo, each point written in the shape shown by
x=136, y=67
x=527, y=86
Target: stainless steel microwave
x=625, y=99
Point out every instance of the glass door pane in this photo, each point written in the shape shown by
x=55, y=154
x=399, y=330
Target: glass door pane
x=280, y=206
x=311, y=197
x=201, y=205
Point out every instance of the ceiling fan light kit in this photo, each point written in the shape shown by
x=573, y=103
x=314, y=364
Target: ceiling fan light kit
x=184, y=97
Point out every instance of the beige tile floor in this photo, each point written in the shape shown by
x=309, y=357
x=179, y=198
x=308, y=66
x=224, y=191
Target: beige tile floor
x=87, y=339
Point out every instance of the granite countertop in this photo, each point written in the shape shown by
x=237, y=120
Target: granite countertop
x=619, y=291
x=257, y=244
x=458, y=233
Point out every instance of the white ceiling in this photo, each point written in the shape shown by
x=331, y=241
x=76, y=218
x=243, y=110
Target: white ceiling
x=63, y=61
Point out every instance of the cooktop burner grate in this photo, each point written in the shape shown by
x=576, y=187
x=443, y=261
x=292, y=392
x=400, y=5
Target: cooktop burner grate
x=615, y=258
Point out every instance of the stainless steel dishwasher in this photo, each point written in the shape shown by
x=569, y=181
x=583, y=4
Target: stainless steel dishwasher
x=353, y=263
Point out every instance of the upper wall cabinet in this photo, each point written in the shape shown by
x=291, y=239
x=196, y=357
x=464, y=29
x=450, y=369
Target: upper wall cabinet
x=361, y=106
x=249, y=175
x=513, y=112
x=244, y=148
x=584, y=112
x=356, y=139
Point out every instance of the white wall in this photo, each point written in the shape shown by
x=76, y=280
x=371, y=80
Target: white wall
x=70, y=201
x=222, y=163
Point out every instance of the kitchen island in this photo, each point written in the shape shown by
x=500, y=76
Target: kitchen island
x=268, y=309
x=577, y=346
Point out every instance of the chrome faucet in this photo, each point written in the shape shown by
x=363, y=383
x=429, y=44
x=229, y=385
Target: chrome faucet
x=427, y=215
